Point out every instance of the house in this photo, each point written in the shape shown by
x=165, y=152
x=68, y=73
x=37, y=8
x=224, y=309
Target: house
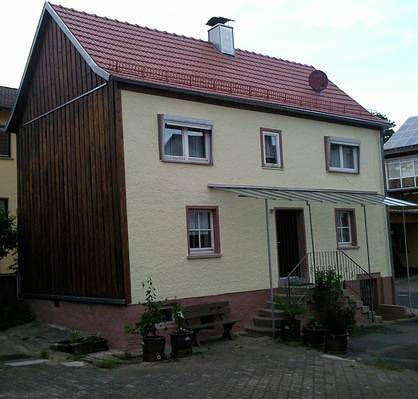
x=401, y=158
x=8, y=179
x=151, y=154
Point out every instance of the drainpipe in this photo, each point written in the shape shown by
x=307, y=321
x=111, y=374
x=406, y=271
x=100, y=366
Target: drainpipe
x=273, y=313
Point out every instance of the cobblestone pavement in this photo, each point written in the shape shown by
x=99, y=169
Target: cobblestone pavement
x=244, y=368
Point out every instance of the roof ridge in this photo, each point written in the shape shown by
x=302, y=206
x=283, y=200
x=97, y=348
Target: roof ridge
x=178, y=35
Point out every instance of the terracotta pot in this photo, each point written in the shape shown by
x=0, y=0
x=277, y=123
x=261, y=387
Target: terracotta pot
x=336, y=343
x=290, y=330
x=153, y=349
x=181, y=344
x=313, y=338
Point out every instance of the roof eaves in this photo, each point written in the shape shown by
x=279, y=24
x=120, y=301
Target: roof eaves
x=49, y=9
x=377, y=124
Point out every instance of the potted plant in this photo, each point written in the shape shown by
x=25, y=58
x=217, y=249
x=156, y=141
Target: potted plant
x=181, y=339
x=338, y=320
x=290, y=326
x=314, y=333
x=153, y=345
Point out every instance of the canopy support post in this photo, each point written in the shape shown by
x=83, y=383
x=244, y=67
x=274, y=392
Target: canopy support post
x=273, y=313
x=371, y=291
x=312, y=240
x=407, y=261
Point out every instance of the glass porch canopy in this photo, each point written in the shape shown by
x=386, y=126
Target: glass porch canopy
x=312, y=194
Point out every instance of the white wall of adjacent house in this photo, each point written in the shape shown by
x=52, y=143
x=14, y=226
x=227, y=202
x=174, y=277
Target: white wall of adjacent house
x=158, y=192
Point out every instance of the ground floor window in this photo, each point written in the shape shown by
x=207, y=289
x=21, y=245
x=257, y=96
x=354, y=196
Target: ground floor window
x=345, y=224
x=4, y=206
x=203, y=230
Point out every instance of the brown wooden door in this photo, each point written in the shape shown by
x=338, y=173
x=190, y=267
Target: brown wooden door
x=287, y=240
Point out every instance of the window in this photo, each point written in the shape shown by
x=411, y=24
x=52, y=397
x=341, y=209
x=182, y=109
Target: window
x=402, y=173
x=185, y=139
x=4, y=205
x=271, y=148
x=342, y=154
x=4, y=144
x=345, y=224
x=203, y=230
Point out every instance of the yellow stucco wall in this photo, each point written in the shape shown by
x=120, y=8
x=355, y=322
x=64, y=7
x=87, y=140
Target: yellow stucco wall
x=8, y=184
x=158, y=192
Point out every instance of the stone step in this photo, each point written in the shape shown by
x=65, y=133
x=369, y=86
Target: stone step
x=294, y=297
x=266, y=321
x=257, y=331
x=301, y=290
x=266, y=312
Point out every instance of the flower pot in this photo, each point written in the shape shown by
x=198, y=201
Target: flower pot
x=336, y=343
x=313, y=337
x=181, y=344
x=153, y=349
x=290, y=330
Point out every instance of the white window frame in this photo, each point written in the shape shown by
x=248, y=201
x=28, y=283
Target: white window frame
x=400, y=161
x=344, y=142
x=350, y=228
x=278, y=136
x=185, y=124
x=206, y=250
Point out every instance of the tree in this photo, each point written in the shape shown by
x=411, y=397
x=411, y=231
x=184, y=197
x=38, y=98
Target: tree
x=8, y=235
x=389, y=130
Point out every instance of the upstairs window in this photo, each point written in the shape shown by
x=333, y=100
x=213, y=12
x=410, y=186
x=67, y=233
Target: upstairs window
x=185, y=139
x=4, y=144
x=402, y=173
x=203, y=230
x=345, y=224
x=342, y=155
x=271, y=148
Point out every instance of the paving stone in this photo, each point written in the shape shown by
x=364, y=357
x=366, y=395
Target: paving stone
x=256, y=368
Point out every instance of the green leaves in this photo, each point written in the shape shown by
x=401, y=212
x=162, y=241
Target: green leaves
x=8, y=234
x=152, y=315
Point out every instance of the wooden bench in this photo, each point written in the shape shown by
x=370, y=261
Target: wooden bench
x=207, y=316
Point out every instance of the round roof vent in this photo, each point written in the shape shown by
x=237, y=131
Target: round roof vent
x=318, y=80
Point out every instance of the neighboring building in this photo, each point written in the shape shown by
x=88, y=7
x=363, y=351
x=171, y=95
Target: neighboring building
x=117, y=154
x=401, y=154
x=8, y=179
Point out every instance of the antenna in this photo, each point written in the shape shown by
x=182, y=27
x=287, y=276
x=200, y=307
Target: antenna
x=318, y=80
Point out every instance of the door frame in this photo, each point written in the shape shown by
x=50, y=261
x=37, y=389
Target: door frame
x=300, y=215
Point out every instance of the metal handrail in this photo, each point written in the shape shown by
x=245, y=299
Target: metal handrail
x=346, y=267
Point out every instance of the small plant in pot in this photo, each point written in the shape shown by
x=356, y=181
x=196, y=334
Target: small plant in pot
x=153, y=345
x=314, y=333
x=339, y=318
x=181, y=339
x=290, y=326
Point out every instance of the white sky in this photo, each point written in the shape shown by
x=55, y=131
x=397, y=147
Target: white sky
x=368, y=48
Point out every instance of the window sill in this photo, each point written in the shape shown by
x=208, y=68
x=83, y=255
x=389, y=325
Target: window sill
x=272, y=167
x=204, y=163
x=348, y=247
x=349, y=172
x=6, y=158
x=204, y=256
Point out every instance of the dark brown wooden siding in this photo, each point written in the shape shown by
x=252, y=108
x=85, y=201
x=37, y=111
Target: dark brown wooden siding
x=72, y=217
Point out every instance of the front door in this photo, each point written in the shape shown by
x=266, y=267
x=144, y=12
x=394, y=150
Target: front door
x=290, y=239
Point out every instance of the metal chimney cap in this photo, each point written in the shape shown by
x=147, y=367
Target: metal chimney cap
x=218, y=20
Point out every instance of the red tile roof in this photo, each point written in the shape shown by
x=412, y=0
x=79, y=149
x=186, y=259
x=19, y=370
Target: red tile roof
x=143, y=54
x=7, y=97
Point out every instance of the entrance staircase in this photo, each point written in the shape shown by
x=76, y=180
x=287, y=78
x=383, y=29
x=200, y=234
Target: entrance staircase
x=298, y=285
